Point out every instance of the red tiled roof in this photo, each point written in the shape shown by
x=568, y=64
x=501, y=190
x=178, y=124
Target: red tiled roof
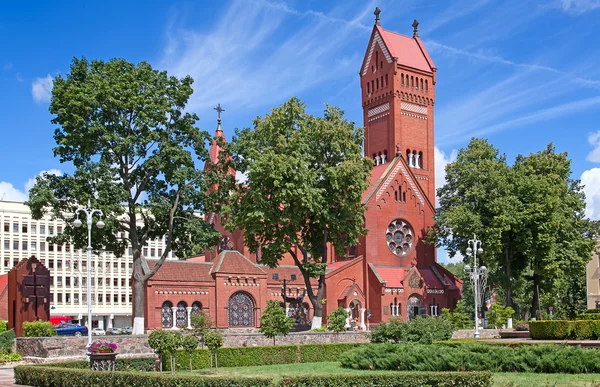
x=181, y=271
x=430, y=278
x=197, y=258
x=233, y=262
x=344, y=292
x=450, y=282
x=393, y=276
x=407, y=49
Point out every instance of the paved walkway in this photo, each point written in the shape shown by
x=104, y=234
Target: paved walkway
x=7, y=377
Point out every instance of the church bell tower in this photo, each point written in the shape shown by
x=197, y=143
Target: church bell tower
x=398, y=81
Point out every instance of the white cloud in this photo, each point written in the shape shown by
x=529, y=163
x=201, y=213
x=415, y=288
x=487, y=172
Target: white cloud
x=8, y=192
x=578, y=7
x=248, y=59
x=591, y=182
x=41, y=89
x=594, y=140
x=441, y=161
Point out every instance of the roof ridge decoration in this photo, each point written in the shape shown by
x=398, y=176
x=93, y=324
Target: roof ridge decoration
x=376, y=39
x=400, y=167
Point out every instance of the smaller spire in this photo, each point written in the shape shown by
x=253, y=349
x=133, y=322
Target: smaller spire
x=415, y=26
x=376, y=13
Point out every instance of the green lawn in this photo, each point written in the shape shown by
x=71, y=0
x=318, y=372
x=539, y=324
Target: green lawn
x=329, y=368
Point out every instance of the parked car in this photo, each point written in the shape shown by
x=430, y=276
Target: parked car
x=98, y=332
x=67, y=329
x=113, y=331
x=126, y=330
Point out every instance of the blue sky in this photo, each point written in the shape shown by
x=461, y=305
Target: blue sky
x=521, y=73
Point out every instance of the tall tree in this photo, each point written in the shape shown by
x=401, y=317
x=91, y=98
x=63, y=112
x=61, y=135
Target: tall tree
x=135, y=152
x=306, y=176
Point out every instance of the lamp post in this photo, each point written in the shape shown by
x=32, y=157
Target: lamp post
x=89, y=212
x=477, y=276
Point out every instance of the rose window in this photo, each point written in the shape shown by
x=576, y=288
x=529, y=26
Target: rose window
x=399, y=237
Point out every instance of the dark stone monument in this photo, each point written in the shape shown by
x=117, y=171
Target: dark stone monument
x=28, y=294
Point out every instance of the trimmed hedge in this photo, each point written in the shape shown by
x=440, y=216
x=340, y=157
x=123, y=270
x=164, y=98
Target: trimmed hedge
x=43, y=376
x=257, y=356
x=7, y=339
x=122, y=364
x=395, y=379
x=564, y=330
x=540, y=358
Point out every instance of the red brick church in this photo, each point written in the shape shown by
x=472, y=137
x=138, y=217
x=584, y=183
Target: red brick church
x=391, y=272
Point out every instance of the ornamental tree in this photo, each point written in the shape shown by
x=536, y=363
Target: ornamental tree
x=189, y=345
x=136, y=156
x=336, y=320
x=305, y=179
x=275, y=322
x=214, y=341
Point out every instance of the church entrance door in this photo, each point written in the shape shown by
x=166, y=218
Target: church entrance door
x=415, y=307
x=241, y=311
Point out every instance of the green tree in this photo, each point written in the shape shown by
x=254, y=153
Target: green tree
x=214, y=341
x=158, y=341
x=135, y=151
x=312, y=168
x=459, y=318
x=189, y=344
x=200, y=323
x=336, y=320
x=274, y=321
x=499, y=314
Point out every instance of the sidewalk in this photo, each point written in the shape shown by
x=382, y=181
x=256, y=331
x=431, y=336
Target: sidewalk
x=7, y=377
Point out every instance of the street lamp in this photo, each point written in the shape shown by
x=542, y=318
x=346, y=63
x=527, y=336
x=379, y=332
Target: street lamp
x=89, y=212
x=477, y=277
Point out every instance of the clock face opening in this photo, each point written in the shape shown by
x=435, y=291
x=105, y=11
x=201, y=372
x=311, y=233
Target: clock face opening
x=399, y=237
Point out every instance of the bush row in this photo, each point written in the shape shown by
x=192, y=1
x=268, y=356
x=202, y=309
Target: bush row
x=44, y=376
x=546, y=358
x=7, y=339
x=563, y=330
x=122, y=364
x=420, y=330
x=8, y=357
x=255, y=356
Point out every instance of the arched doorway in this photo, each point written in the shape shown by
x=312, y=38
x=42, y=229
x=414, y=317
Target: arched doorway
x=241, y=310
x=414, y=307
x=355, y=309
x=167, y=315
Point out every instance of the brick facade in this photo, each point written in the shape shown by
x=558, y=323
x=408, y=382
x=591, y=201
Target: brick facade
x=391, y=272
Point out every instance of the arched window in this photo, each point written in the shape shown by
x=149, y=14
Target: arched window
x=376, y=57
x=196, y=307
x=412, y=81
x=426, y=85
x=386, y=80
x=368, y=88
x=407, y=155
x=381, y=65
x=377, y=83
x=395, y=195
x=382, y=81
x=241, y=310
x=421, y=83
x=417, y=86
x=420, y=160
x=404, y=197
x=181, y=315
x=167, y=315
x=402, y=79
x=372, y=86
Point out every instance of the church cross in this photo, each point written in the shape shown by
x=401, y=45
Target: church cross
x=415, y=26
x=219, y=110
x=376, y=13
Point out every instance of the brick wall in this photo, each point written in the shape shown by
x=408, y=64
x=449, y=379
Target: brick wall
x=40, y=349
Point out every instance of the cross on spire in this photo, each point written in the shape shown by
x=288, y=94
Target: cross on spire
x=415, y=26
x=219, y=110
x=376, y=13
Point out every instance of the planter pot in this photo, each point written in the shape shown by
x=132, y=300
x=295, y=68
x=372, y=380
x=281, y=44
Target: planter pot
x=102, y=361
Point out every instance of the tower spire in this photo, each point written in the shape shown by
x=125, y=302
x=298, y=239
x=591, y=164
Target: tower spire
x=219, y=110
x=415, y=26
x=376, y=13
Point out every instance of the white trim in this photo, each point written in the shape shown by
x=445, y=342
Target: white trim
x=376, y=39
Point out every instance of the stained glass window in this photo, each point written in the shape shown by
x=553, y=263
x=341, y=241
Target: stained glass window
x=181, y=315
x=196, y=307
x=399, y=237
x=241, y=310
x=167, y=315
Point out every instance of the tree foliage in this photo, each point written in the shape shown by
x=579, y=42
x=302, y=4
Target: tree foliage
x=189, y=345
x=275, y=322
x=305, y=179
x=336, y=320
x=136, y=155
x=530, y=217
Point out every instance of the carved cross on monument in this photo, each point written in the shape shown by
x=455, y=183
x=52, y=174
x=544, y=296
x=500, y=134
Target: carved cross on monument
x=376, y=13
x=415, y=26
x=219, y=110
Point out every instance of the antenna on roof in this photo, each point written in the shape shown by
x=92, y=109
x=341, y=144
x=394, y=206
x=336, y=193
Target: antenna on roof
x=376, y=13
x=415, y=26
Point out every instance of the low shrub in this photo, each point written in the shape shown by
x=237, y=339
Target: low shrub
x=44, y=376
x=564, y=330
x=122, y=364
x=3, y=326
x=8, y=357
x=422, y=330
x=256, y=356
x=395, y=379
x=38, y=329
x=7, y=339
x=541, y=358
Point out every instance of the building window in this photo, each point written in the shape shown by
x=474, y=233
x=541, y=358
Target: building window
x=50, y=230
x=6, y=244
x=129, y=251
x=386, y=80
x=15, y=227
x=6, y=261
x=377, y=83
x=67, y=247
x=181, y=315
x=241, y=310
x=33, y=246
x=115, y=282
x=42, y=229
x=100, y=281
x=59, y=247
x=59, y=298
x=50, y=246
x=83, y=281
x=15, y=245
x=67, y=281
x=115, y=265
x=402, y=79
x=372, y=86
x=24, y=245
x=68, y=298
x=422, y=89
x=6, y=226
x=426, y=85
x=51, y=264
x=122, y=265
x=59, y=281
x=59, y=264
x=130, y=265
x=275, y=276
x=76, y=298
x=15, y=261
x=33, y=229
x=166, y=315
x=196, y=307
x=115, y=298
x=145, y=252
x=368, y=88
x=160, y=251
x=100, y=298
x=152, y=252
x=42, y=246
x=122, y=298
x=59, y=229
x=75, y=281
x=122, y=281
x=293, y=277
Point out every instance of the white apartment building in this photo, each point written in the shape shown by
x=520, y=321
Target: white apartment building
x=21, y=237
